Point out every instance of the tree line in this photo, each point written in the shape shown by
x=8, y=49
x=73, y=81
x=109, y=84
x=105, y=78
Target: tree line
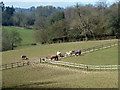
x=81, y=22
x=55, y=24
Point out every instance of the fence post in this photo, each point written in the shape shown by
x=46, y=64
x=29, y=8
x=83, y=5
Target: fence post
x=94, y=68
x=23, y=63
x=40, y=60
x=84, y=67
x=17, y=64
x=28, y=63
x=87, y=68
x=105, y=68
x=111, y=67
x=12, y=65
x=0, y=67
x=6, y=66
x=100, y=68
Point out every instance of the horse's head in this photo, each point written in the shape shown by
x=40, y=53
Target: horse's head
x=73, y=51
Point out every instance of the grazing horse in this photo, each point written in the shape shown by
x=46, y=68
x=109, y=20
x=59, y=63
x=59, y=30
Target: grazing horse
x=68, y=53
x=77, y=52
x=54, y=57
x=24, y=57
x=59, y=54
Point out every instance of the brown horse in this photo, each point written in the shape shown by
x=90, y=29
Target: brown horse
x=54, y=57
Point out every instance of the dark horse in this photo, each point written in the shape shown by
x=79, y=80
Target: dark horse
x=54, y=57
x=77, y=52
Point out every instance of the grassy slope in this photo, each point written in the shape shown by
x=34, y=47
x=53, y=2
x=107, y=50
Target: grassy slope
x=26, y=34
x=47, y=76
x=57, y=77
x=47, y=50
x=105, y=56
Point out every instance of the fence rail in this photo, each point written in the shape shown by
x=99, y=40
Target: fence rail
x=13, y=65
x=92, y=49
x=87, y=67
x=81, y=66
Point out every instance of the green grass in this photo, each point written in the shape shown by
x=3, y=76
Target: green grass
x=45, y=76
x=48, y=76
x=26, y=34
x=107, y=56
x=47, y=50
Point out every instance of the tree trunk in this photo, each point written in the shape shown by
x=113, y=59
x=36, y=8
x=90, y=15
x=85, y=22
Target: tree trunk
x=86, y=38
x=12, y=47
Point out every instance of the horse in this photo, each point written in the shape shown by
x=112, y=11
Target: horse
x=54, y=57
x=77, y=52
x=24, y=57
x=68, y=53
x=59, y=54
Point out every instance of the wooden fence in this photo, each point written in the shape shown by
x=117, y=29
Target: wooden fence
x=81, y=66
x=14, y=65
x=84, y=51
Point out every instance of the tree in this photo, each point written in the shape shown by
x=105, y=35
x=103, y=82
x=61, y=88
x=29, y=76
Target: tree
x=5, y=41
x=7, y=16
x=41, y=36
x=41, y=23
x=114, y=21
x=56, y=17
x=44, y=11
x=2, y=6
x=23, y=19
x=59, y=29
x=10, y=39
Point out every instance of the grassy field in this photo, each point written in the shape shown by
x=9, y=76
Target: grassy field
x=47, y=50
x=26, y=34
x=107, y=56
x=46, y=76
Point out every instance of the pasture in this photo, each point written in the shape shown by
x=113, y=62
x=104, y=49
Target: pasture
x=49, y=76
x=26, y=34
x=107, y=56
x=47, y=50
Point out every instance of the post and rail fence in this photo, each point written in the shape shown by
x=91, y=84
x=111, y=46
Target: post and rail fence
x=68, y=64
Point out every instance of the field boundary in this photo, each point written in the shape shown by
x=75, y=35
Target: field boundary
x=99, y=47
x=84, y=66
x=68, y=64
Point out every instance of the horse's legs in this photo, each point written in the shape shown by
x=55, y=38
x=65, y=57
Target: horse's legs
x=57, y=58
x=51, y=59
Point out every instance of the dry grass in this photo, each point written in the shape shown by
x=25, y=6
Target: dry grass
x=46, y=76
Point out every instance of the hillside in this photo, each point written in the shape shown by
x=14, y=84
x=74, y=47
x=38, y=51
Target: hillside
x=26, y=34
x=47, y=50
